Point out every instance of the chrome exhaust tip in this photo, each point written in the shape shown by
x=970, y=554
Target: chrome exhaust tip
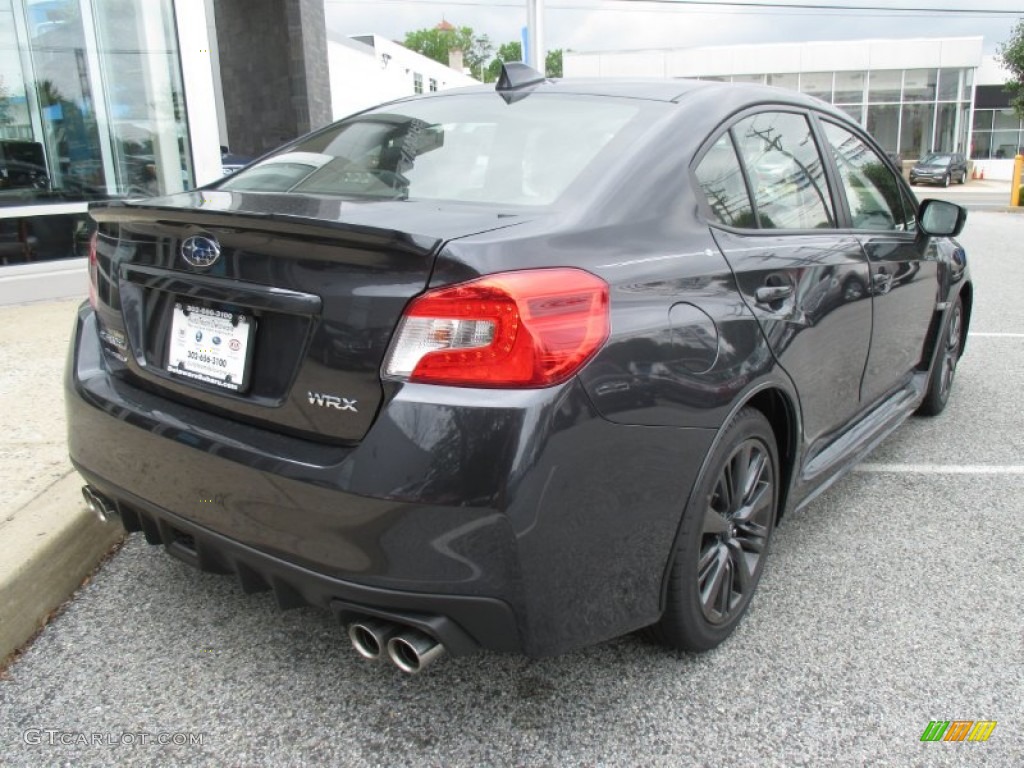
x=98, y=505
x=413, y=651
x=370, y=637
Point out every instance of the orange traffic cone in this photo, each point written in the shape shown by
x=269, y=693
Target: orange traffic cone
x=974, y=173
x=982, y=174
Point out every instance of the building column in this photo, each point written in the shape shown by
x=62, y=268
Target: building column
x=274, y=73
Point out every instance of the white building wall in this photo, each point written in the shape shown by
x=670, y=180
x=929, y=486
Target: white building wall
x=777, y=58
x=363, y=76
x=991, y=72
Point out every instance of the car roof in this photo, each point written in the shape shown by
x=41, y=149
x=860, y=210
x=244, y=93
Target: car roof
x=727, y=96
x=655, y=89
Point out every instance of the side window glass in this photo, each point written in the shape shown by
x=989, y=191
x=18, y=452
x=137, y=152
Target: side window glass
x=785, y=169
x=721, y=181
x=872, y=191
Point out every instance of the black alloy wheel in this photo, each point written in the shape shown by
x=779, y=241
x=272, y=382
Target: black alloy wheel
x=724, y=538
x=940, y=384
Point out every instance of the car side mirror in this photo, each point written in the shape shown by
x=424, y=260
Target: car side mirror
x=941, y=218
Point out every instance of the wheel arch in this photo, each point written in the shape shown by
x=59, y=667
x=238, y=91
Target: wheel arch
x=779, y=406
x=776, y=406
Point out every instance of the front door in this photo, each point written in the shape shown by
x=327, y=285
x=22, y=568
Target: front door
x=904, y=270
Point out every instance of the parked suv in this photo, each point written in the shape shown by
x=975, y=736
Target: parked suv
x=940, y=168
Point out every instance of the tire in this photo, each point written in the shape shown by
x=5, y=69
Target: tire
x=723, y=541
x=940, y=383
x=945, y=180
x=963, y=177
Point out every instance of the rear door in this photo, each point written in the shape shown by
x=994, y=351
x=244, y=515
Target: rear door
x=904, y=267
x=806, y=284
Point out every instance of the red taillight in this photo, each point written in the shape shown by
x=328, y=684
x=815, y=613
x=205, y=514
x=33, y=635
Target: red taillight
x=515, y=329
x=93, y=271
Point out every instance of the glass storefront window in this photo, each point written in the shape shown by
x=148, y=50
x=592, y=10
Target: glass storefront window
x=981, y=148
x=983, y=120
x=817, y=84
x=883, y=124
x=1005, y=119
x=965, y=127
x=968, y=82
x=91, y=107
x=856, y=111
x=145, y=101
x=788, y=80
x=919, y=84
x=849, y=87
x=945, y=127
x=884, y=85
x=949, y=84
x=49, y=137
x=916, y=129
x=1005, y=144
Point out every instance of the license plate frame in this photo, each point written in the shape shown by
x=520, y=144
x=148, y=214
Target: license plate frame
x=211, y=345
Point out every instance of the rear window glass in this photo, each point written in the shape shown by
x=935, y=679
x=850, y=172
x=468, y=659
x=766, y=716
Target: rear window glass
x=721, y=180
x=787, y=176
x=466, y=148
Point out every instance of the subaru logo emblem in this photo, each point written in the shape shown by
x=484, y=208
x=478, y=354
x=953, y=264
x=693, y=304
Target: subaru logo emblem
x=200, y=251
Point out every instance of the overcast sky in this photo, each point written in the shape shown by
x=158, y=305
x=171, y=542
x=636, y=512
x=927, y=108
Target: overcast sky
x=591, y=25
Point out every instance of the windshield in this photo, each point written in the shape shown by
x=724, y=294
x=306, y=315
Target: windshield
x=464, y=148
x=936, y=160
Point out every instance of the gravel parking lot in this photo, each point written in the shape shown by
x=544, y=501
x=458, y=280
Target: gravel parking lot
x=892, y=601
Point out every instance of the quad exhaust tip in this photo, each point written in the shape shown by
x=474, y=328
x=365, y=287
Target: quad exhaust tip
x=99, y=505
x=408, y=649
x=413, y=651
x=370, y=637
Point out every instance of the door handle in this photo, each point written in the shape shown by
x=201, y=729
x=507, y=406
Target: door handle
x=770, y=294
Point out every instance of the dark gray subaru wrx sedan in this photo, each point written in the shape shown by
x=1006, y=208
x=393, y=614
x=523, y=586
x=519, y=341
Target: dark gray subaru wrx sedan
x=521, y=368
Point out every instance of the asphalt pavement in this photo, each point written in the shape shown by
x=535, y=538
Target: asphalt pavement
x=893, y=600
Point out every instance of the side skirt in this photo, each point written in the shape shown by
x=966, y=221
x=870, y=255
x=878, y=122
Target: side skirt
x=822, y=469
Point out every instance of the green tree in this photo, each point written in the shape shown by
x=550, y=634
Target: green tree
x=506, y=52
x=436, y=43
x=514, y=52
x=553, y=63
x=1011, y=56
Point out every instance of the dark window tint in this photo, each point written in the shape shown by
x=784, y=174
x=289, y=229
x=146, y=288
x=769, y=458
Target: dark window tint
x=467, y=148
x=872, y=191
x=785, y=170
x=721, y=181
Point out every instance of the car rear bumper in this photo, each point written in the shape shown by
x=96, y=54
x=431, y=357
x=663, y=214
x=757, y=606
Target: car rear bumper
x=512, y=521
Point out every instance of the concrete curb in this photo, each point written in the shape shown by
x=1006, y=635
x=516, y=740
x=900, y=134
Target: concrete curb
x=58, y=542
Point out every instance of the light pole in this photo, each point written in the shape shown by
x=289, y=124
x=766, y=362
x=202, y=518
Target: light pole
x=535, y=52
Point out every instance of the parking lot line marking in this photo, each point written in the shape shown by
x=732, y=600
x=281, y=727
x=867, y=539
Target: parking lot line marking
x=997, y=335
x=942, y=469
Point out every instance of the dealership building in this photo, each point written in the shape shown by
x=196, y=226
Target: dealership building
x=913, y=96
x=114, y=98
x=111, y=98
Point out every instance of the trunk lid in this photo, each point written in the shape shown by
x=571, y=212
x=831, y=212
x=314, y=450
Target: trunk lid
x=298, y=307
